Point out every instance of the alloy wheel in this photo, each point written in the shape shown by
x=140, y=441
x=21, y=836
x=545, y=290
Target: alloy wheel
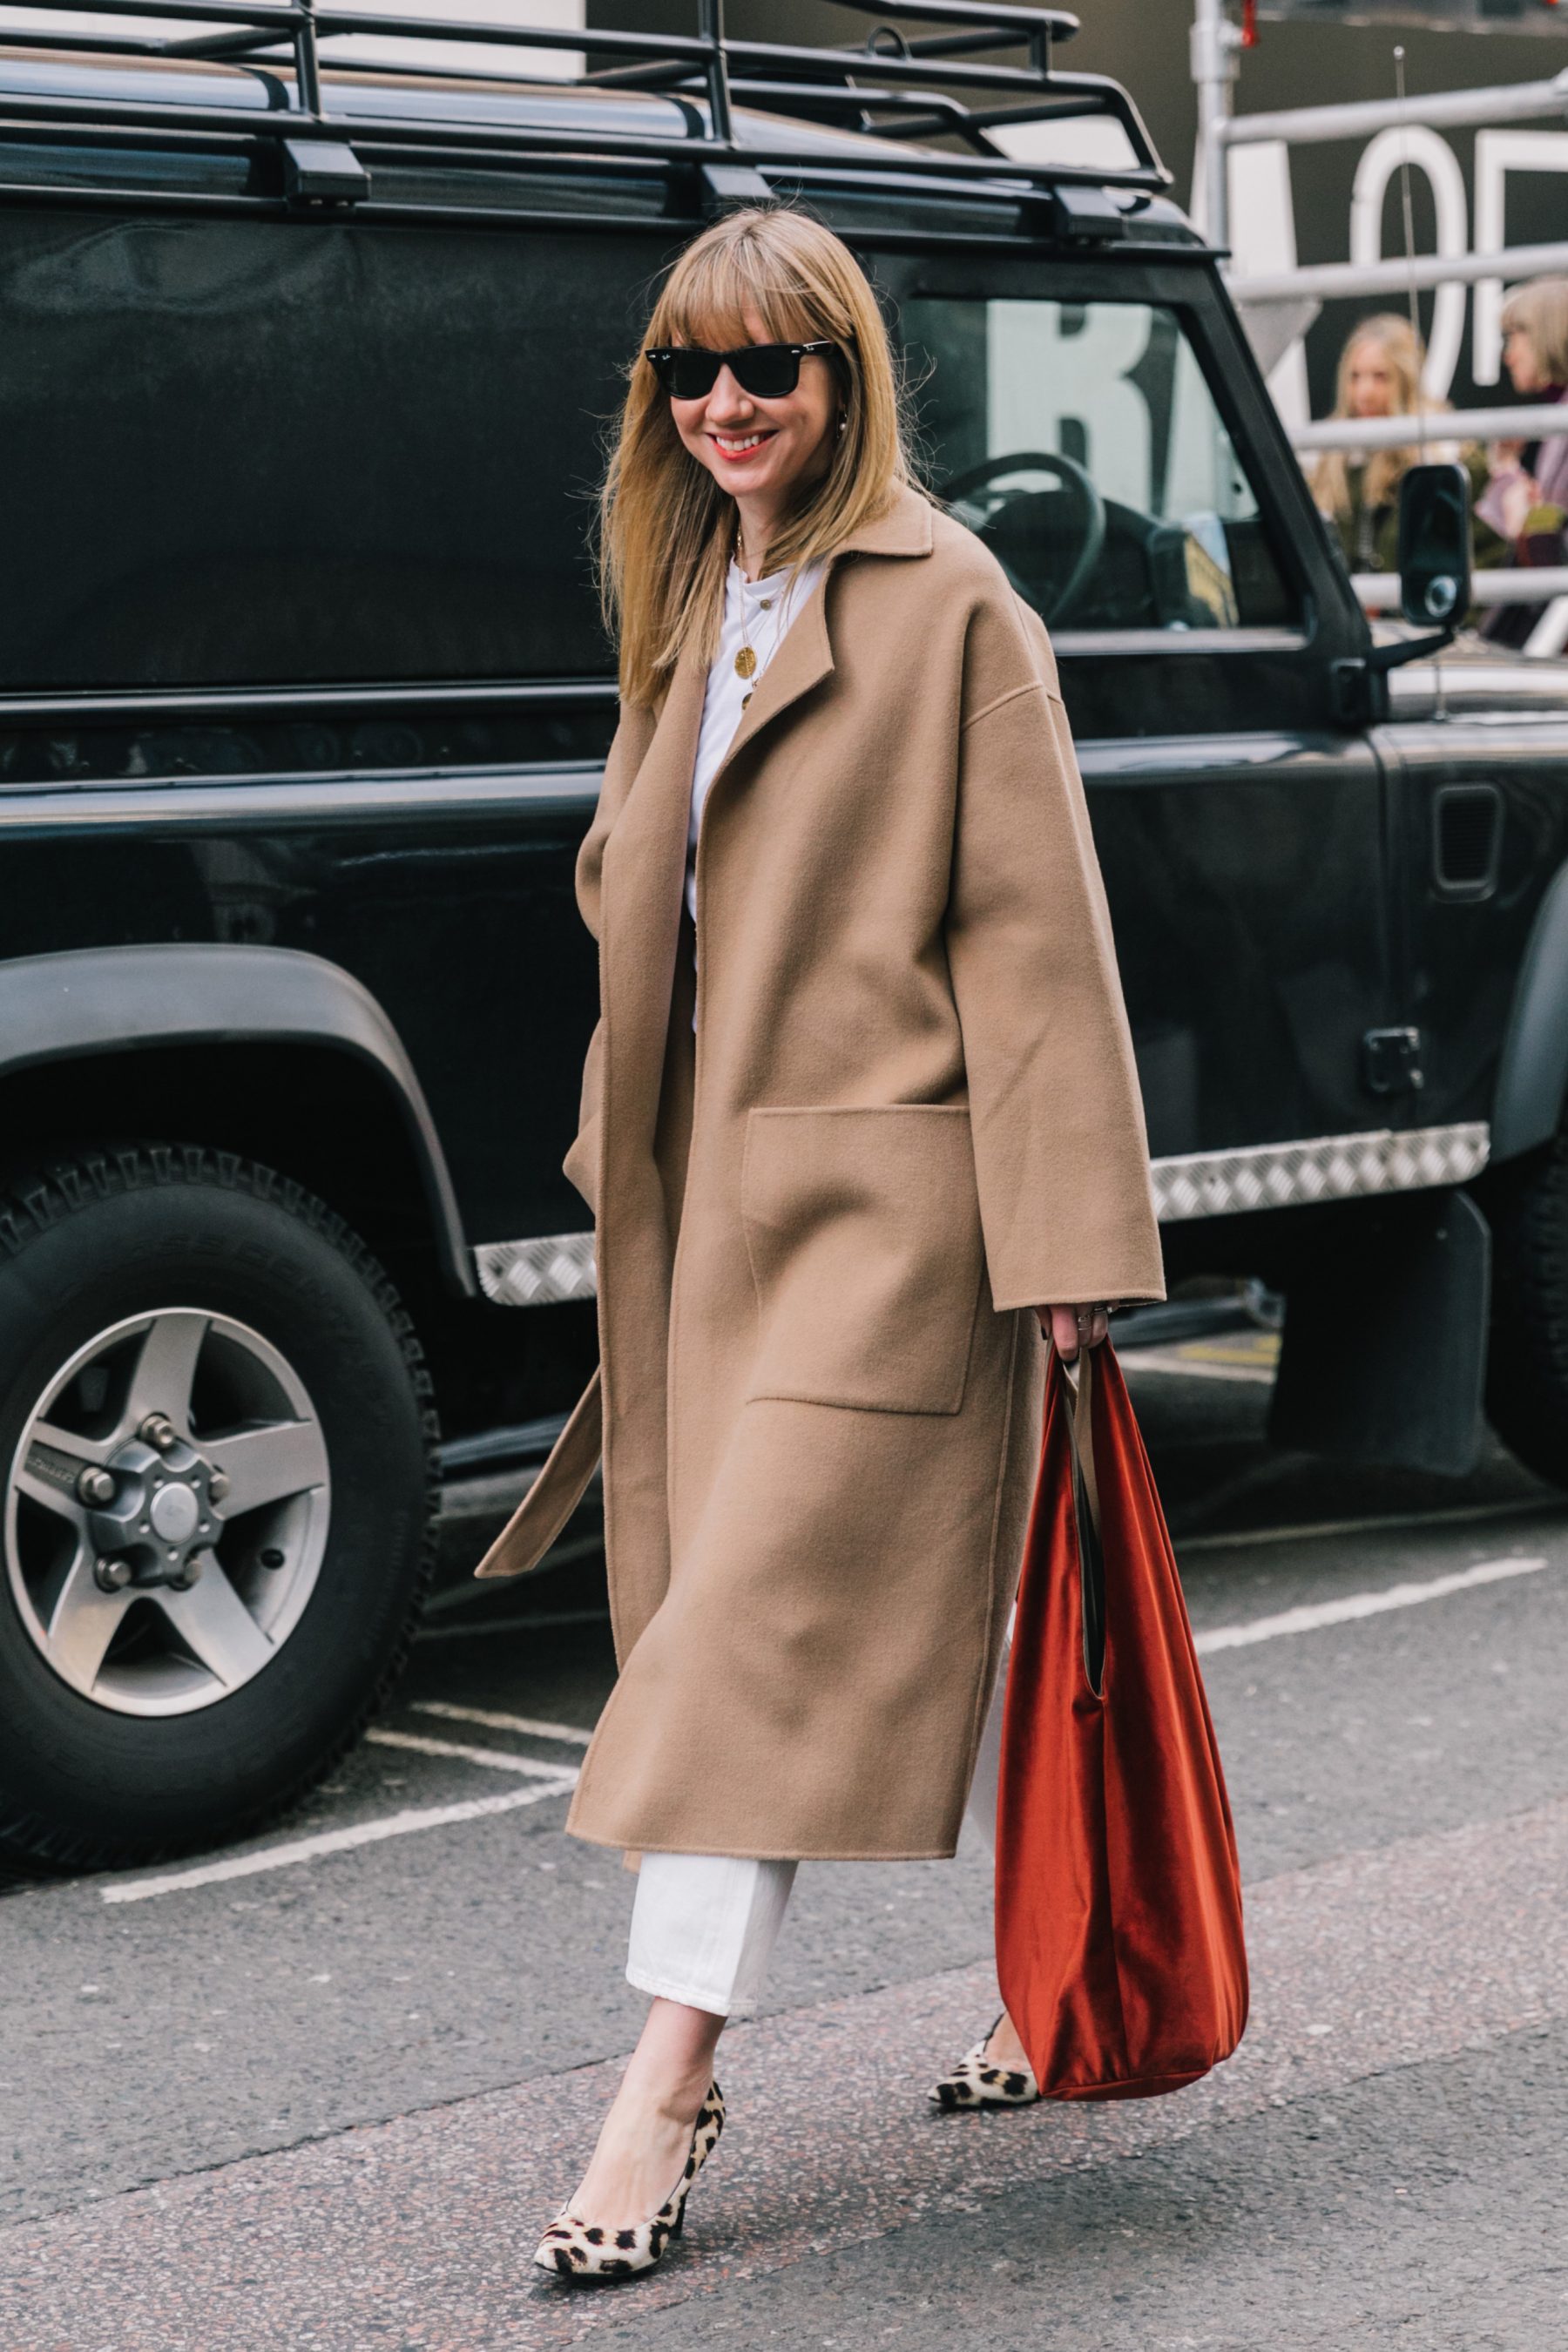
x=166, y=1512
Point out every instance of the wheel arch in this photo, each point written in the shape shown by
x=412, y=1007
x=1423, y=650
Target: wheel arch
x=1532, y=1078
x=88, y=1035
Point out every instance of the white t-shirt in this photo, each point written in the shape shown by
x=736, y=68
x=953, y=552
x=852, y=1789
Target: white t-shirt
x=768, y=607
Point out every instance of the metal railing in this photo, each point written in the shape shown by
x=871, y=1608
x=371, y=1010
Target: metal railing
x=1378, y=592
x=1328, y=281
x=1302, y=291
x=1447, y=424
x=1301, y=126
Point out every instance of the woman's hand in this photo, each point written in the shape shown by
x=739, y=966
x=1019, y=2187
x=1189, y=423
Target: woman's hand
x=1068, y=1326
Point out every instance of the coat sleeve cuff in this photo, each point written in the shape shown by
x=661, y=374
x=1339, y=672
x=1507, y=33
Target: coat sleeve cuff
x=1129, y=1287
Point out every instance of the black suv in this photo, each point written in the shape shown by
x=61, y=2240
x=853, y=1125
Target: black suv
x=304, y=380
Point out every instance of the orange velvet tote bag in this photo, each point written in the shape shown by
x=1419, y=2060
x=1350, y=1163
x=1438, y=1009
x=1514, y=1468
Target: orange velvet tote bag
x=1118, y=1936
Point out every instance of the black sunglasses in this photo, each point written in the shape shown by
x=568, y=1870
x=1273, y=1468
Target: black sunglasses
x=767, y=371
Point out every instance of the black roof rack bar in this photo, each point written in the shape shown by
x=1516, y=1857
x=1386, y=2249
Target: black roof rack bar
x=554, y=146
x=913, y=96
x=132, y=138
x=539, y=144
x=832, y=68
x=944, y=44
x=976, y=23
x=900, y=114
x=720, y=121
x=282, y=20
x=986, y=26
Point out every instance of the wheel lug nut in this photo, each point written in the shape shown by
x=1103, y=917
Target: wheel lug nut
x=111, y=1575
x=190, y=1574
x=95, y=1486
x=158, y=1431
x=217, y=1485
x=272, y=1556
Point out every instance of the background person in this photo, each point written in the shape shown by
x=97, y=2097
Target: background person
x=1526, y=499
x=841, y=822
x=1358, y=491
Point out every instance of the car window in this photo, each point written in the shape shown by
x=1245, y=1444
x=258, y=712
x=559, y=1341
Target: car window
x=253, y=453
x=1081, y=442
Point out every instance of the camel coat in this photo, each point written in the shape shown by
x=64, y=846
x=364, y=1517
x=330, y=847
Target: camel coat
x=908, y=1116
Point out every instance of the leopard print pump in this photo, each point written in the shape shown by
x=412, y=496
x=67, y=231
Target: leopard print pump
x=591, y=2255
x=975, y=2082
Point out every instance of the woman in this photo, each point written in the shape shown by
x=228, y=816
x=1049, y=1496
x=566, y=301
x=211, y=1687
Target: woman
x=1358, y=491
x=1526, y=501
x=860, y=1119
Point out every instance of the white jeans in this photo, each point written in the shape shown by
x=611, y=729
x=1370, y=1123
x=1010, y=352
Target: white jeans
x=704, y=1925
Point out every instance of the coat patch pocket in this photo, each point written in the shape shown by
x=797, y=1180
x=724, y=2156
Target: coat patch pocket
x=863, y=1229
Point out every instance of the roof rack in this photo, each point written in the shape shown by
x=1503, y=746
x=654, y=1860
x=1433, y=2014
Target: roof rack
x=894, y=84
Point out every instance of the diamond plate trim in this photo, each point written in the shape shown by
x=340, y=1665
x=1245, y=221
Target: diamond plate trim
x=554, y=1267
x=537, y=1273
x=1324, y=1168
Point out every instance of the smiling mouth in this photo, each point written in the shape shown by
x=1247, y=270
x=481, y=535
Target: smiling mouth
x=739, y=445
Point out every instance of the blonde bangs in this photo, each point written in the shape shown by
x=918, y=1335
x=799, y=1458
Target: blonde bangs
x=666, y=527
x=708, y=303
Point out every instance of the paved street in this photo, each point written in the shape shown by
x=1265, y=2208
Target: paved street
x=321, y=2089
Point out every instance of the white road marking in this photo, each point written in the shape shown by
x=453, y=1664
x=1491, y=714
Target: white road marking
x=496, y=1759
x=557, y=1780
x=1238, y=1539
x=572, y=1732
x=1314, y=1614
x=311, y=1849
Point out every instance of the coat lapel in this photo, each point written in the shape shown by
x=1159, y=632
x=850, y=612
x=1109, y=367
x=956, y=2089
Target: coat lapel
x=645, y=866
x=803, y=661
x=806, y=656
x=645, y=858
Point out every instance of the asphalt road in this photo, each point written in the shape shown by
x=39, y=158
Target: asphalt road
x=321, y=2089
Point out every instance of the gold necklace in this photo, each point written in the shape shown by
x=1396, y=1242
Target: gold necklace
x=746, y=657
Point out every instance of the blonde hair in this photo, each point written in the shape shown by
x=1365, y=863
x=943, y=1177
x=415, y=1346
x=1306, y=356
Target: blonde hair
x=665, y=528
x=1401, y=347
x=1540, y=309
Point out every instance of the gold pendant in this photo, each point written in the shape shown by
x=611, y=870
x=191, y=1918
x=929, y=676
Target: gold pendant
x=745, y=663
x=744, y=699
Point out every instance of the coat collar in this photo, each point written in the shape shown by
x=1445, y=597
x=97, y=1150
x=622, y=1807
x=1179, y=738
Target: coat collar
x=903, y=528
x=806, y=656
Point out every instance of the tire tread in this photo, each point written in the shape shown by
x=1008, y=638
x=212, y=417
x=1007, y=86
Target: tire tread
x=1527, y=1380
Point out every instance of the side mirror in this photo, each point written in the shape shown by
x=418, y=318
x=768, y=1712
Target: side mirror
x=1435, y=545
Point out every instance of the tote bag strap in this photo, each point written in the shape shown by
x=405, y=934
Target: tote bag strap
x=1081, y=1428
x=1086, y=1513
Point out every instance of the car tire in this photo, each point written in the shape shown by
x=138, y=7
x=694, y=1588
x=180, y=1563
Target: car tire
x=1527, y=1371
x=290, y=1513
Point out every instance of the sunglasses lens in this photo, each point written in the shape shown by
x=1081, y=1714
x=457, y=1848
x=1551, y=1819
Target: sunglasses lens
x=767, y=371
x=685, y=373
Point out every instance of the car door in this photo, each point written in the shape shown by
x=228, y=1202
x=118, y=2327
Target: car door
x=1093, y=421
x=1481, y=819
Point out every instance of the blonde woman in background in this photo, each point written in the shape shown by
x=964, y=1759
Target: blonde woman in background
x=1358, y=491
